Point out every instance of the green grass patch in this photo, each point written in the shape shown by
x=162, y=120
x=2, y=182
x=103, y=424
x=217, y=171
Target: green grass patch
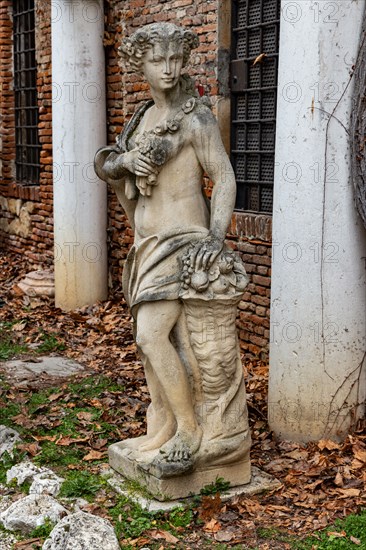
x=43, y=531
x=50, y=343
x=7, y=461
x=81, y=484
x=54, y=455
x=219, y=486
x=329, y=539
x=9, y=346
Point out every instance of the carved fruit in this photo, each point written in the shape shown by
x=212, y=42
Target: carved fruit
x=221, y=285
x=199, y=281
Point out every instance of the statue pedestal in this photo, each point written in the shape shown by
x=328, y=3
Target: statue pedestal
x=131, y=465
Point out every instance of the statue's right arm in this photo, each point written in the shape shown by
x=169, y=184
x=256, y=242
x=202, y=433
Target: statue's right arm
x=109, y=165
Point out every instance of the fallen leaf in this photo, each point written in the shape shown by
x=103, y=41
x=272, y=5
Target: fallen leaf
x=65, y=441
x=94, y=455
x=210, y=506
x=100, y=443
x=18, y=327
x=298, y=454
x=31, y=448
x=359, y=453
x=346, y=493
x=259, y=58
x=354, y=540
x=84, y=415
x=212, y=526
x=328, y=444
x=27, y=544
x=336, y=534
x=338, y=480
x=55, y=396
x=223, y=536
x=45, y=437
x=160, y=534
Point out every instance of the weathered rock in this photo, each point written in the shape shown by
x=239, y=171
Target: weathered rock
x=24, y=471
x=46, y=483
x=30, y=512
x=82, y=531
x=8, y=439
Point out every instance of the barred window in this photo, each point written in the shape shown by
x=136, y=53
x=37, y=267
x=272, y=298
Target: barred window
x=253, y=82
x=25, y=89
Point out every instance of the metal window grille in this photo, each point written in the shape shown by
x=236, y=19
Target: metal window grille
x=254, y=93
x=25, y=88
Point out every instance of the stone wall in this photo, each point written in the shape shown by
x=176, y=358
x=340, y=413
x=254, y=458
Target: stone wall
x=26, y=212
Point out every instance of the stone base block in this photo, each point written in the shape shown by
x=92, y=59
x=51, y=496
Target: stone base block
x=180, y=486
x=260, y=482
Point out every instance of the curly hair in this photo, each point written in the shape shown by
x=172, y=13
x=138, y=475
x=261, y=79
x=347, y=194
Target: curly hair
x=134, y=47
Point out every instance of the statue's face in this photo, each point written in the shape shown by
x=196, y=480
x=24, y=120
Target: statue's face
x=162, y=65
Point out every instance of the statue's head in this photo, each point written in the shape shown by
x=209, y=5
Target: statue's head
x=134, y=47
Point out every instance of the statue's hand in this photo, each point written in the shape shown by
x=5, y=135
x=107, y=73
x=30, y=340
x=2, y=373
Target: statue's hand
x=137, y=163
x=206, y=252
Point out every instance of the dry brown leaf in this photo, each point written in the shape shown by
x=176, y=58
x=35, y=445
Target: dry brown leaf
x=346, y=493
x=160, y=534
x=55, y=396
x=298, y=454
x=45, y=437
x=210, y=506
x=328, y=444
x=212, y=526
x=337, y=534
x=357, y=464
x=66, y=440
x=27, y=544
x=354, y=540
x=259, y=58
x=251, y=506
x=359, y=453
x=100, y=443
x=224, y=536
x=84, y=415
x=18, y=327
x=338, y=480
x=31, y=448
x=94, y=455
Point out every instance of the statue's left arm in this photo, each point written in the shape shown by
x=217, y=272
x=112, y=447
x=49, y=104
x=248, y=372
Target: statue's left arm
x=210, y=151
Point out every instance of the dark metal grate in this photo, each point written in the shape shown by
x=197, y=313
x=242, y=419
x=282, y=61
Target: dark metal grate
x=254, y=94
x=25, y=88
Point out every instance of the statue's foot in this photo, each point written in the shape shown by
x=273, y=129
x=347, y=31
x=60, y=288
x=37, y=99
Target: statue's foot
x=134, y=443
x=177, y=456
x=156, y=441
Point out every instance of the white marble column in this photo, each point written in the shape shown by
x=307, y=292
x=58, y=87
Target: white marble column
x=318, y=309
x=79, y=129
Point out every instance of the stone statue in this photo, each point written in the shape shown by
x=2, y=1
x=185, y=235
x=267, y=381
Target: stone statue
x=180, y=280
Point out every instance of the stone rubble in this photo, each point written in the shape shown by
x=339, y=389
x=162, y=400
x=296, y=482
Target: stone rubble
x=22, y=472
x=73, y=531
x=8, y=439
x=81, y=531
x=30, y=512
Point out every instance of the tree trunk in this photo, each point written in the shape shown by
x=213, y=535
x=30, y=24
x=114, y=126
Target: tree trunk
x=358, y=127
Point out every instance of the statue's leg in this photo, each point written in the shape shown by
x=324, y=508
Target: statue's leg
x=161, y=425
x=155, y=321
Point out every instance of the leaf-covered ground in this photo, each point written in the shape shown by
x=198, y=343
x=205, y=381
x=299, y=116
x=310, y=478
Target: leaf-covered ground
x=69, y=424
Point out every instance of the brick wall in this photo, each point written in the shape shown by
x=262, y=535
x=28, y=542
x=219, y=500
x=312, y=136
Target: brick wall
x=26, y=218
x=26, y=222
